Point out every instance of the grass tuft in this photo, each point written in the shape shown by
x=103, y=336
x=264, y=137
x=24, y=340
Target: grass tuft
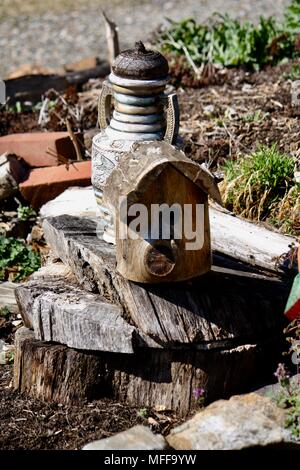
x=261, y=187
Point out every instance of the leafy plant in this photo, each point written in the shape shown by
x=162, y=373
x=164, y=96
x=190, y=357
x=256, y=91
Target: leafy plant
x=26, y=212
x=228, y=42
x=292, y=17
x=289, y=398
x=17, y=259
x=4, y=312
x=261, y=186
x=292, y=74
x=143, y=413
x=256, y=117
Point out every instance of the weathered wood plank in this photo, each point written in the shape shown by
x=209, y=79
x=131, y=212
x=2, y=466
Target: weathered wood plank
x=210, y=310
x=231, y=236
x=156, y=378
x=7, y=296
x=248, y=242
x=61, y=312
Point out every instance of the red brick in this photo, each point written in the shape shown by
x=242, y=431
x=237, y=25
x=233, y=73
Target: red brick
x=33, y=146
x=44, y=184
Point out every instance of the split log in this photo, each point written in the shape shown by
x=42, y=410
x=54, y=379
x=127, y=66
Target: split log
x=219, y=309
x=58, y=310
x=156, y=378
x=249, y=242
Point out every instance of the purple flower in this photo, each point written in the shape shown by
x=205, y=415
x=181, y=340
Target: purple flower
x=198, y=393
x=281, y=372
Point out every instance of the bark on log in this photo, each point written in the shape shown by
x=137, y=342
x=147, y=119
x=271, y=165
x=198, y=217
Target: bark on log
x=155, y=378
x=54, y=372
x=216, y=309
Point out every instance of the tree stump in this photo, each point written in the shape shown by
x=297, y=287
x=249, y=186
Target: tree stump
x=162, y=379
x=148, y=345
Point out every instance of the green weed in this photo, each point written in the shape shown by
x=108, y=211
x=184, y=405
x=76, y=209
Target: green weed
x=228, y=42
x=262, y=187
x=17, y=260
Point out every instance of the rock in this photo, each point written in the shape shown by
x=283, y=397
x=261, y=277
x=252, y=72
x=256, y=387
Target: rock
x=136, y=438
x=33, y=147
x=47, y=183
x=242, y=422
x=12, y=171
x=74, y=201
x=273, y=390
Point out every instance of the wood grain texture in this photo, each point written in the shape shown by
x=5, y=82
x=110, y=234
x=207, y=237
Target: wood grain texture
x=130, y=177
x=249, y=242
x=219, y=309
x=61, y=312
x=174, y=190
x=54, y=372
x=156, y=378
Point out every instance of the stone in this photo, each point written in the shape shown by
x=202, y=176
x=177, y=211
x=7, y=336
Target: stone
x=74, y=201
x=33, y=147
x=44, y=184
x=244, y=421
x=12, y=171
x=136, y=438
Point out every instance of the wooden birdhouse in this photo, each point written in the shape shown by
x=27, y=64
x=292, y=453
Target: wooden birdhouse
x=159, y=200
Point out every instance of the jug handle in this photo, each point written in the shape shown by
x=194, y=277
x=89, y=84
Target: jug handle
x=104, y=104
x=172, y=118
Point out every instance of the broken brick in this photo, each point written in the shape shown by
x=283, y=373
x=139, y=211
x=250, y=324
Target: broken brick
x=44, y=184
x=33, y=147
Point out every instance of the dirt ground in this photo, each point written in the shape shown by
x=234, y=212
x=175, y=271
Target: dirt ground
x=227, y=113
x=29, y=424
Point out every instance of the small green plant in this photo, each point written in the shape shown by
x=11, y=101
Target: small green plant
x=228, y=42
x=4, y=312
x=143, y=413
x=26, y=212
x=292, y=16
x=256, y=117
x=292, y=74
x=17, y=260
x=199, y=396
x=289, y=398
x=261, y=186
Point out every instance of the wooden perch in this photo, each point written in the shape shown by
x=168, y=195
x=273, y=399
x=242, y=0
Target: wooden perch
x=111, y=38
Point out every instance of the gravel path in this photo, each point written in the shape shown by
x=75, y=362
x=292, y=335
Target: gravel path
x=53, y=33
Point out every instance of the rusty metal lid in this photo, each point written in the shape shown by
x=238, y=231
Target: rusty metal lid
x=140, y=63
